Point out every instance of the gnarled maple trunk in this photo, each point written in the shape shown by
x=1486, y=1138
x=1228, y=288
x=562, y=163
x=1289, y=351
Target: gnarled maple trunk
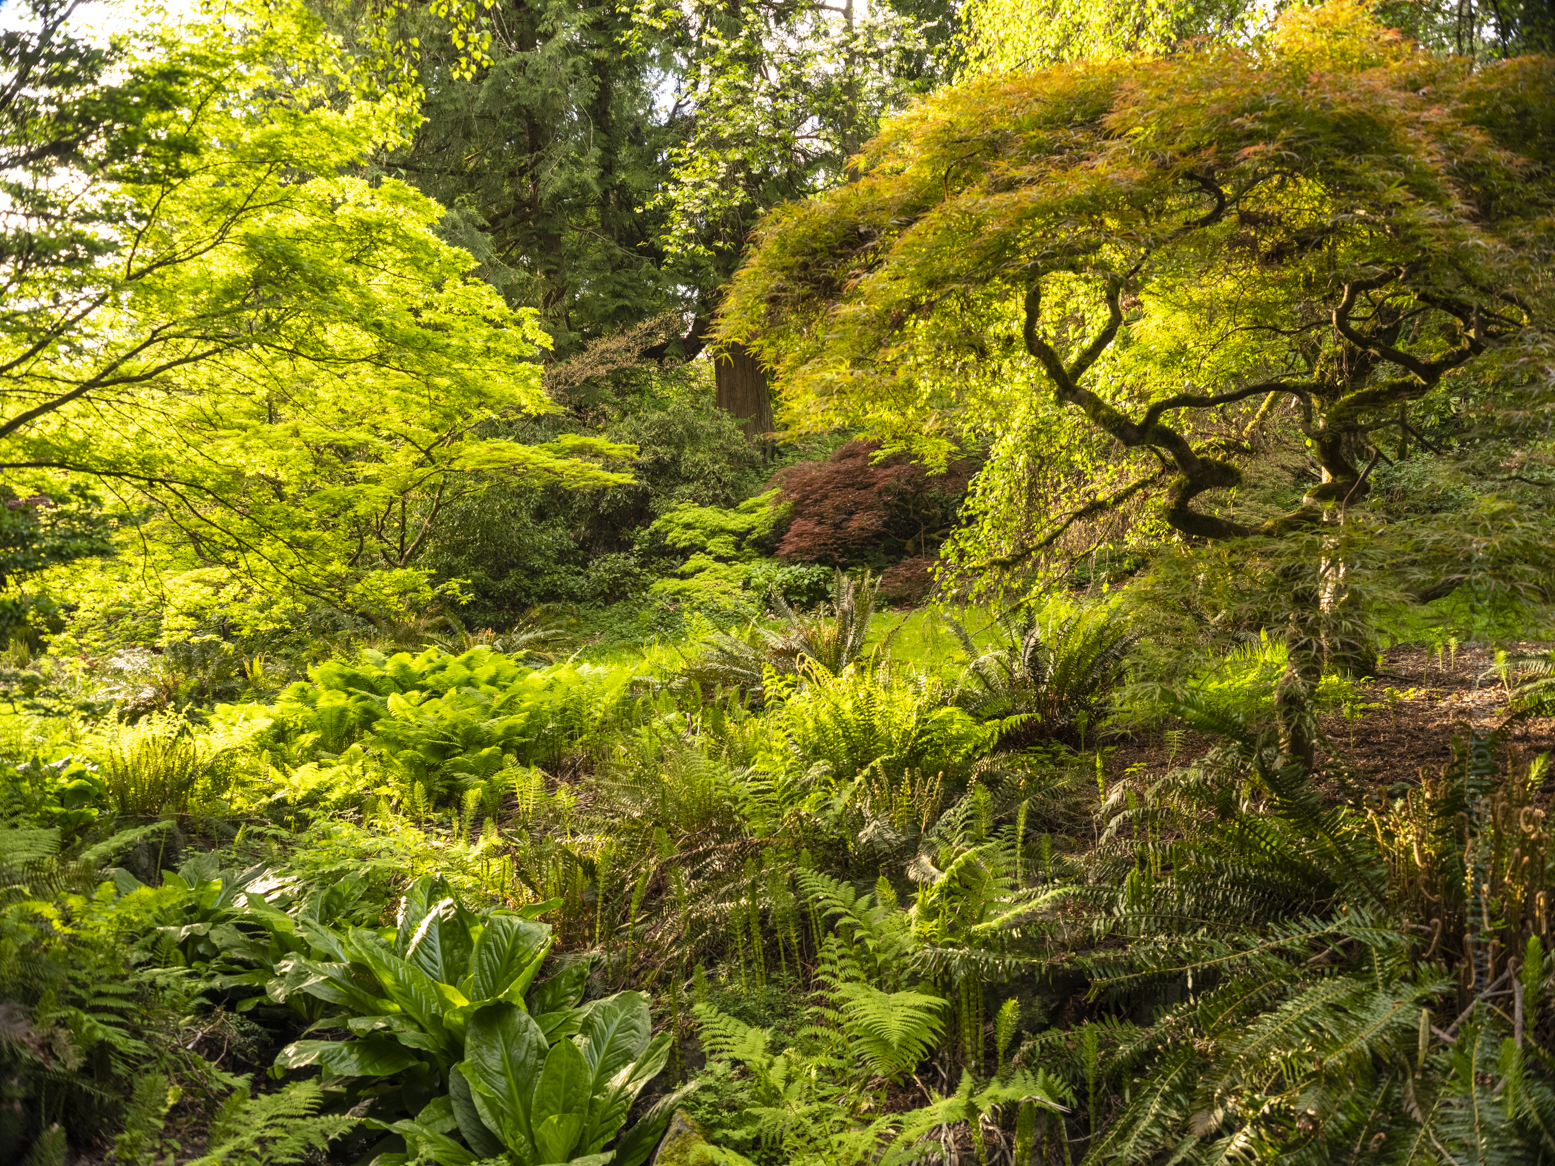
x=1295, y=707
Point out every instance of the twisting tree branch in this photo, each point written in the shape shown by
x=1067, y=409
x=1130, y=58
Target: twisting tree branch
x=1194, y=474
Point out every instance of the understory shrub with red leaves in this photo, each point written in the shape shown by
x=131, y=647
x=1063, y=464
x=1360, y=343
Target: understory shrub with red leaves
x=853, y=510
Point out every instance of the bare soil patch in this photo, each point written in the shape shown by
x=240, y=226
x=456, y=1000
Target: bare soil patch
x=1403, y=725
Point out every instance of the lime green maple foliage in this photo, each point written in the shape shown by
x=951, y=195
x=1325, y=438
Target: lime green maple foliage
x=274, y=351
x=1024, y=34
x=1118, y=271
x=1327, y=221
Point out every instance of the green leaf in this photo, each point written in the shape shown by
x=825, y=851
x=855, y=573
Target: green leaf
x=556, y=1135
x=416, y=904
x=634, y=1146
x=556, y=1025
x=561, y=991
x=535, y=910
x=440, y=946
x=475, y=1132
x=402, y=1030
x=504, y=1055
x=438, y=1114
x=370, y=1057
x=561, y=1102
x=612, y=1103
x=615, y=1030
x=507, y=955
x=893, y=1031
x=426, y=1140
x=334, y=983
x=323, y=939
x=407, y=985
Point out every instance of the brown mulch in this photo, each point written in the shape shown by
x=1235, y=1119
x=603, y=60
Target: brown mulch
x=1420, y=704
x=1406, y=722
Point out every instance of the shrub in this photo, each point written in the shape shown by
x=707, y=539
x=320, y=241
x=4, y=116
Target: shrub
x=1048, y=675
x=451, y=999
x=907, y=583
x=79, y=1021
x=161, y=766
x=66, y=793
x=830, y=642
x=439, y=721
x=519, y=546
x=853, y=509
x=722, y=546
x=837, y=737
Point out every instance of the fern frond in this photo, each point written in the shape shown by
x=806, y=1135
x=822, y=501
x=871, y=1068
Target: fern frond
x=892, y=1031
x=272, y=1129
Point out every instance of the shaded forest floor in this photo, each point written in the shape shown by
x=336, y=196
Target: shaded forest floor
x=1403, y=726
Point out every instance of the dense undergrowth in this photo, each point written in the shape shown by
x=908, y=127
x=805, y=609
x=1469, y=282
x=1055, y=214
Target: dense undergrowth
x=829, y=903
x=446, y=719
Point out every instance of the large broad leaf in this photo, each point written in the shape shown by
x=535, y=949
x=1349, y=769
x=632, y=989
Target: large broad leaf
x=535, y=910
x=480, y=1137
x=505, y=1053
x=427, y=1142
x=561, y=1102
x=556, y=1135
x=404, y=1031
x=506, y=956
x=322, y=938
x=556, y=1025
x=438, y=1114
x=419, y=899
x=612, y=1102
x=616, y=1032
x=490, y=1110
x=373, y=1056
x=561, y=991
x=406, y=985
x=615, y=1029
x=331, y=900
x=440, y=945
x=647, y=1066
x=335, y=983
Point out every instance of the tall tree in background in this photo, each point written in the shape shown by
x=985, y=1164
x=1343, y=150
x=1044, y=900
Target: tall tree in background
x=776, y=96
x=608, y=161
x=545, y=157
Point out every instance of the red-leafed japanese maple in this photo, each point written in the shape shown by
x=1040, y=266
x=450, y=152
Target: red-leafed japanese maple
x=852, y=509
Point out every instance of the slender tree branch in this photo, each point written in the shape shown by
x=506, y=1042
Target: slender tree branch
x=1196, y=474
x=1196, y=401
x=1089, y=510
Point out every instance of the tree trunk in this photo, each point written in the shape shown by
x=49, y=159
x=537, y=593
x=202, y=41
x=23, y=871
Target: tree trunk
x=1296, y=692
x=742, y=391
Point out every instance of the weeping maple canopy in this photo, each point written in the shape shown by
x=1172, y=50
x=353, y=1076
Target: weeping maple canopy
x=1101, y=264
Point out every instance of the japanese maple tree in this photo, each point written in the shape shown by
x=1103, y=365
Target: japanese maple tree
x=1117, y=269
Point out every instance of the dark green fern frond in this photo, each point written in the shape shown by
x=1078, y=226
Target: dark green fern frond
x=1055, y=672
x=272, y=1129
